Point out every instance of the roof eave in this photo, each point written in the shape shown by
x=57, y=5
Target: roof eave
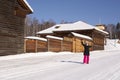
x=27, y=6
x=71, y=30
x=104, y=32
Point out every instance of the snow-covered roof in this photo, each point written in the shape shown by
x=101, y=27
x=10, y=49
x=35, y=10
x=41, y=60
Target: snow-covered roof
x=47, y=31
x=81, y=36
x=50, y=30
x=75, y=26
x=54, y=37
x=80, y=25
x=28, y=5
x=36, y=38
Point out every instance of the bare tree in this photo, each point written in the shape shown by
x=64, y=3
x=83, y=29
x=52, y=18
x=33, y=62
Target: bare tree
x=47, y=24
x=32, y=26
x=27, y=27
x=111, y=30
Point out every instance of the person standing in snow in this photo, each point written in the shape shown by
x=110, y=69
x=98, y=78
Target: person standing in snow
x=86, y=52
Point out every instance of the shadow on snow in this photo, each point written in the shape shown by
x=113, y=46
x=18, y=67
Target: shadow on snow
x=73, y=62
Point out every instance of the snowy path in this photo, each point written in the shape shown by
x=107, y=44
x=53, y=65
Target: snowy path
x=104, y=65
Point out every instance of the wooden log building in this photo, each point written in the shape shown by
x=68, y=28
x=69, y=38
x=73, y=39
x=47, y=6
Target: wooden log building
x=80, y=28
x=77, y=39
x=12, y=19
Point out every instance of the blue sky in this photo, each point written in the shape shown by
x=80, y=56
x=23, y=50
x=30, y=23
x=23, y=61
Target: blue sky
x=90, y=11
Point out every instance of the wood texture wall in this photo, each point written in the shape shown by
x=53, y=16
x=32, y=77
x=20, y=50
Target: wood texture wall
x=67, y=46
x=35, y=46
x=54, y=45
x=11, y=29
x=74, y=44
x=98, y=40
x=77, y=46
x=30, y=46
x=41, y=46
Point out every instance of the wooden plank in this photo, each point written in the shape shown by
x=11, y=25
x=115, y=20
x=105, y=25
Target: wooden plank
x=30, y=46
x=54, y=45
x=41, y=46
x=67, y=46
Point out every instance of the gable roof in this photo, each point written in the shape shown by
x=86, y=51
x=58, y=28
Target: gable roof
x=80, y=25
x=51, y=29
x=25, y=4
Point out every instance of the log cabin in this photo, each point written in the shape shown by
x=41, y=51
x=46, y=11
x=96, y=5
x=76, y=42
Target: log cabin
x=80, y=27
x=76, y=40
x=12, y=19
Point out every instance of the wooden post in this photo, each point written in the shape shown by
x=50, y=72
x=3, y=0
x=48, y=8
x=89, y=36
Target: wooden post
x=25, y=46
x=35, y=45
x=75, y=45
x=48, y=44
x=61, y=44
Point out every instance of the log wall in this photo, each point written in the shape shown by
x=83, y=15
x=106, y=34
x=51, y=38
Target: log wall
x=67, y=46
x=77, y=46
x=11, y=29
x=98, y=40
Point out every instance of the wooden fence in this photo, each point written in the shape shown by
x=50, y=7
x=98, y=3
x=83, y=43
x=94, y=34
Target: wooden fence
x=54, y=43
x=66, y=46
x=34, y=44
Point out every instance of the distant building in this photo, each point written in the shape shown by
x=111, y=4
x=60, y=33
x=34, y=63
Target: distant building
x=101, y=26
x=12, y=19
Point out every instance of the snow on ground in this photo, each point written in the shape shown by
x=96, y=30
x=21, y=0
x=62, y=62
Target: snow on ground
x=112, y=44
x=104, y=65
x=28, y=55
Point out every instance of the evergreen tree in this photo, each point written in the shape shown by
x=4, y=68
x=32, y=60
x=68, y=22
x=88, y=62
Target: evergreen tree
x=118, y=30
